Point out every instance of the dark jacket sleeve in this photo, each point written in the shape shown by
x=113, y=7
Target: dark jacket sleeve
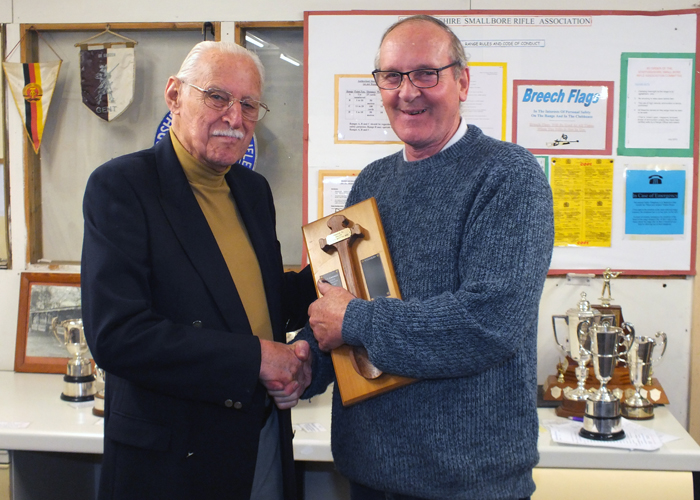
x=148, y=315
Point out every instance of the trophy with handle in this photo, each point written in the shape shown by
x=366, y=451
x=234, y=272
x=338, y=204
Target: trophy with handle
x=574, y=401
x=606, y=345
x=640, y=359
x=79, y=380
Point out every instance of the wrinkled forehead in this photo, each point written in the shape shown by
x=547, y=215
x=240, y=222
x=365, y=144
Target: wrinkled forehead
x=229, y=72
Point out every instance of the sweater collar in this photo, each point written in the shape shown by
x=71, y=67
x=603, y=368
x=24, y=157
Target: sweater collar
x=459, y=133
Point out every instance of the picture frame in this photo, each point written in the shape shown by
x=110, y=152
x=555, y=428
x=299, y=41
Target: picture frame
x=45, y=300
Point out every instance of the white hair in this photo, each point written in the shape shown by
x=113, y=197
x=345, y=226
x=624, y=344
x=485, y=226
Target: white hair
x=190, y=66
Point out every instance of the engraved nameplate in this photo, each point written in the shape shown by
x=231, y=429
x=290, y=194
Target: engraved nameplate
x=341, y=235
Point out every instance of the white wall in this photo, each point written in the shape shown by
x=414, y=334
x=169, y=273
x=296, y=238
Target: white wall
x=650, y=304
x=99, y=11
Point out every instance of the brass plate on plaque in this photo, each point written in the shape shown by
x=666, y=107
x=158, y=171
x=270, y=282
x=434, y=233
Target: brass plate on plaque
x=368, y=259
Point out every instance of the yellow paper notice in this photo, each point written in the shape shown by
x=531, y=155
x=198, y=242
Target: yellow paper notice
x=582, y=192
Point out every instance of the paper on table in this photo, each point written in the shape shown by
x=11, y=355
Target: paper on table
x=636, y=436
x=308, y=427
x=13, y=425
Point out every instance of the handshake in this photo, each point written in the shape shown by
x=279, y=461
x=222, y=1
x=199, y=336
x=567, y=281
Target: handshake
x=285, y=371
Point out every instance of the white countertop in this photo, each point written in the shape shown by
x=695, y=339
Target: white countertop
x=33, y=417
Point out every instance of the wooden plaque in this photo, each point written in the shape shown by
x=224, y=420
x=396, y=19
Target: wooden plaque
x=374, y=274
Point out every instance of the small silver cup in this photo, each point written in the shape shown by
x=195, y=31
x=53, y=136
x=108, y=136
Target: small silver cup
x=602, y=419
x=640, y=360
x=79, y=380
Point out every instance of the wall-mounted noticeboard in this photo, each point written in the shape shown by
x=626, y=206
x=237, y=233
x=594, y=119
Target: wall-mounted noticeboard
x=605, y=100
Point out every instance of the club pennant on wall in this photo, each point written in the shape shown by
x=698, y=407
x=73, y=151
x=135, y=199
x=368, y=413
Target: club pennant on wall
x=32, y=86
x=107, y=80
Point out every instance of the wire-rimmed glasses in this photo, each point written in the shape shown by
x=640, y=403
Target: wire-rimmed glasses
x=221, y=100
x=423, y=78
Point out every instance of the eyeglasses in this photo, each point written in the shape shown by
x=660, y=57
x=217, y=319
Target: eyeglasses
x=424, y=78
x=221, y=100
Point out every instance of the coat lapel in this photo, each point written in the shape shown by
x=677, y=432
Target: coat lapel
x=197, y=240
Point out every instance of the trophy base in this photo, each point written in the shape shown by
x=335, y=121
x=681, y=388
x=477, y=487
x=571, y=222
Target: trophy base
x=554, y=390
x=78, y=389
x=76, y=399
x=99, y=409
x=612, y=436
x=637, y=412
x=571, y=408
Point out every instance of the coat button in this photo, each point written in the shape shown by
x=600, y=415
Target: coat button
x=228, y=403
x=197, y=324
x=238, y=405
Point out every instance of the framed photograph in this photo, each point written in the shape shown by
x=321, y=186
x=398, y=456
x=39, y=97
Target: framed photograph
x=46, y=300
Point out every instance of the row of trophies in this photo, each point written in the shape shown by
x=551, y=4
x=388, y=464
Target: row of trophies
x=607, y=341
x=81, y=383
x=592, y=334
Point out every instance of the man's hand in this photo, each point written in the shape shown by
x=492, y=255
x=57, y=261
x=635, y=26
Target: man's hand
x=327, y=313
x=285, y=371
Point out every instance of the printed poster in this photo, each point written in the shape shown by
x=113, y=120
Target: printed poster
x=657, y=104
x=572, y=118
x=582, y=193
x=655, y=202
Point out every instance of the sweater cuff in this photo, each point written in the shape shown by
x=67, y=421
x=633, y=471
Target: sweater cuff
x=357, y=322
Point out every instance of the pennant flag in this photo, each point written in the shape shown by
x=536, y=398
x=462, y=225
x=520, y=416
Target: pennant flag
x=107, y=79
x=32, y=86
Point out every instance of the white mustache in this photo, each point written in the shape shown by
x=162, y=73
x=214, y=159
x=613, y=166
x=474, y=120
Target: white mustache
x=236, y=134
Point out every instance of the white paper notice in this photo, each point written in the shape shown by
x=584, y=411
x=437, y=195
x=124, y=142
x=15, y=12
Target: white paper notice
x=486, y=99
x=308, y=427
x=659, y=103
x=336, y=189
x=360, y=116
x=636, y=436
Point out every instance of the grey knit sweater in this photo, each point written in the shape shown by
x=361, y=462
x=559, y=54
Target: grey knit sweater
x=470, y=231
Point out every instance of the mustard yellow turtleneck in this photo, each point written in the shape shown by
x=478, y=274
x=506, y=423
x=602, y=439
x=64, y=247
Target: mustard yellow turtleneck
x=219, y=207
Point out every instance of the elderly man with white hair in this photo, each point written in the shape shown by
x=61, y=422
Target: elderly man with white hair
x=186, y=303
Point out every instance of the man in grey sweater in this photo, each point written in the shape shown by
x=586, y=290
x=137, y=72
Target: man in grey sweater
x=469, y=224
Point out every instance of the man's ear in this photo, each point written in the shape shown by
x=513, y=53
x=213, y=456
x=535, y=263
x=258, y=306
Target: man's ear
x=464, y=84
x=173, y=95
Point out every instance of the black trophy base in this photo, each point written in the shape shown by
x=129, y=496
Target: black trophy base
x=613, y=436
x=77, y=399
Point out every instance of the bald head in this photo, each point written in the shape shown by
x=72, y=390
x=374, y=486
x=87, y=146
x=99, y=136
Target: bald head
x=455, y=48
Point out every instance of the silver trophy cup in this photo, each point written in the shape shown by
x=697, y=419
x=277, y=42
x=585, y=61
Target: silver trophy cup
x=640, y=360
x=571, y=346
x=79, y=380
x=602, y=420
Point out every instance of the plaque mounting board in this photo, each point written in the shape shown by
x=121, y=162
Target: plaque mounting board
x=375, y=273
